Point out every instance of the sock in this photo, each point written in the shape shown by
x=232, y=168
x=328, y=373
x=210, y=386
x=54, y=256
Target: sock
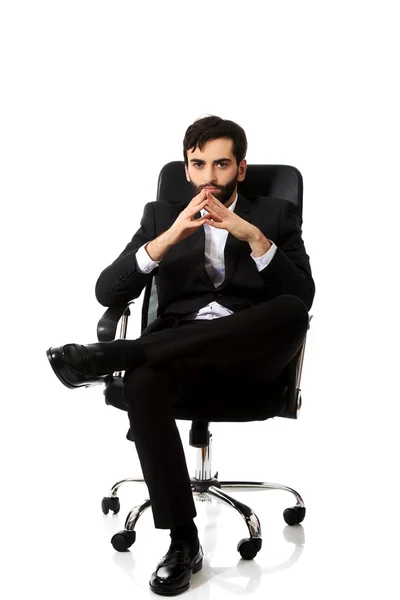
x=124, y=353
x=188, y=533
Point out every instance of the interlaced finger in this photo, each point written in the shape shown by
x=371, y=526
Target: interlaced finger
x=196, y=208
x=214, y=206
x=199, y=198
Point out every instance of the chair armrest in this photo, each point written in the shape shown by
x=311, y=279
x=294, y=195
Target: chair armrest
x=301, y=358
x=293, y=377
x=107, y=326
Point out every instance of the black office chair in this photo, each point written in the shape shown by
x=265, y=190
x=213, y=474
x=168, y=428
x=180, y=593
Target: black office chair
x=263, y=180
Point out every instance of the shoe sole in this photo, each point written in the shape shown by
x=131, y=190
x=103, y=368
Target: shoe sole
x=166, y=592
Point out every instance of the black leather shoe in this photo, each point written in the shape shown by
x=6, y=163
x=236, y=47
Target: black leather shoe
x=75, y=366
x=174, y=571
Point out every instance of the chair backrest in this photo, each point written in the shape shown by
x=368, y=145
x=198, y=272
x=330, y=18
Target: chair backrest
x=278, y=181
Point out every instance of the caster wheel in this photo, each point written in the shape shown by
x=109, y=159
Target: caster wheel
x=123, y=540
x=248, y=547
x=294, y=515
x=108, y=504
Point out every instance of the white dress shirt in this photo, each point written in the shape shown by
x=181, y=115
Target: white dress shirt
x=214, y=248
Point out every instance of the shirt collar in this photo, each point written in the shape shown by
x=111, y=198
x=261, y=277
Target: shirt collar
x=233, y=205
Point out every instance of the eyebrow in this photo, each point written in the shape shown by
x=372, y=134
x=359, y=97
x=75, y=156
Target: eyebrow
x=215, y=161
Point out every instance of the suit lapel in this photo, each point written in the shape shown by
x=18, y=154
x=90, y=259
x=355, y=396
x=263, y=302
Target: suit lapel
x=197, y=243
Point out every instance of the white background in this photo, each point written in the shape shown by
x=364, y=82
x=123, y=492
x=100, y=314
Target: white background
x=95, y=99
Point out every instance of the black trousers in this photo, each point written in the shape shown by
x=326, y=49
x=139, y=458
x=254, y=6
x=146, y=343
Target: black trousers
x=252, y=345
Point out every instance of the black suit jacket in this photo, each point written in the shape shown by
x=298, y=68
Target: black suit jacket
x=182, y=282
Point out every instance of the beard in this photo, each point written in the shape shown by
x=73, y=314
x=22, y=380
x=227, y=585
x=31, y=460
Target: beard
x=224, y=191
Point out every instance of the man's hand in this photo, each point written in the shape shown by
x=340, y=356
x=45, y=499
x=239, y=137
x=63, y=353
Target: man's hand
x=218, y=216
x=223, y=218
x=185, y=224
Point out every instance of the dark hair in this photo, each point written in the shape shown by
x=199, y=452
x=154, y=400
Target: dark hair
x=211, y=128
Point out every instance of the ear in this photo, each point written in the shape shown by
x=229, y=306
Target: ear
x=242, y=170
x=187, y=174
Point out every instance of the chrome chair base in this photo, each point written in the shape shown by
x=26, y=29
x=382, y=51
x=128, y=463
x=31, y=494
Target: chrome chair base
x=206, y=488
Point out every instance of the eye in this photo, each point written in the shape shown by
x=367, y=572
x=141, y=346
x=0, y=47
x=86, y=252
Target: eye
x=221, y=164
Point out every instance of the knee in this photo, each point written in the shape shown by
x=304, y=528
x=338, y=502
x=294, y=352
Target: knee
x=295, y=304
x=296, y=314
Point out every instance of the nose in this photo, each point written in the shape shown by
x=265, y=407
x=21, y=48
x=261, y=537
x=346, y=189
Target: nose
x=209, y=176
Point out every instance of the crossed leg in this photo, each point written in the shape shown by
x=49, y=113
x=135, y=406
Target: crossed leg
x=257, y=342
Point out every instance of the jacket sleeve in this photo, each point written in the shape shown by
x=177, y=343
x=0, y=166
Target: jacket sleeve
x=122, y=281
x=289, y=271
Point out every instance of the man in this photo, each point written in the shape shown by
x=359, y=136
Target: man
x=234, y=289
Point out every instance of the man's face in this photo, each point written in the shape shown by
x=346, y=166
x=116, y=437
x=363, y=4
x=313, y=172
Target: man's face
x=215, y=167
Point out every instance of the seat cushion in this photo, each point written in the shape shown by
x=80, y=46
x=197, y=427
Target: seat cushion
x=216, y=401
x=239, y=403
